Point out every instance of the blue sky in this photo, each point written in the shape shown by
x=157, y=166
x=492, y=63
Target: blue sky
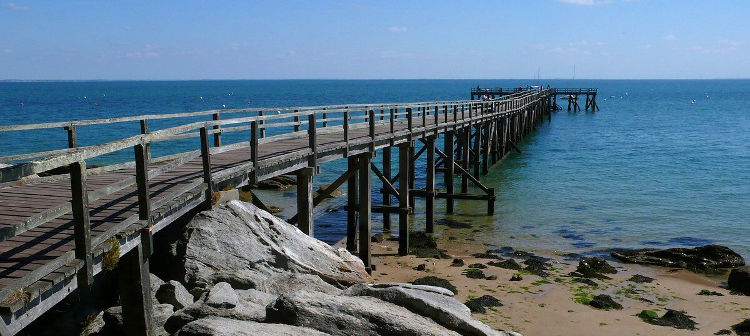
x=374, y=39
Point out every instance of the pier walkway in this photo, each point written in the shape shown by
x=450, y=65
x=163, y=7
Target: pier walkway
x=58, y=231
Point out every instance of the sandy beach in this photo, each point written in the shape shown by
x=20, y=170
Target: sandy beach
x=553, y=305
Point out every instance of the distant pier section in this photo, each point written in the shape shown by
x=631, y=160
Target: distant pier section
x=569, y=94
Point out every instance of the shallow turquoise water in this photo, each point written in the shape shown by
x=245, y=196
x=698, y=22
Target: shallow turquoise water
x=651, y=169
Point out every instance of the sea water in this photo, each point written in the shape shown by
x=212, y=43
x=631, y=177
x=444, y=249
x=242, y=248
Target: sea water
x=664, y=163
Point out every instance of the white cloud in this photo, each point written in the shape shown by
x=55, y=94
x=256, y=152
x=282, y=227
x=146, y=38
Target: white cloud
x=398, y=29
x=13, y=5
x=670, y=37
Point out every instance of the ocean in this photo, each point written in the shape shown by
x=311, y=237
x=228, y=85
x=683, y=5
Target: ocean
x=665, y=163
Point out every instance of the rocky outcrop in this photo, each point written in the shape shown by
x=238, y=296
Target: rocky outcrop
x=238, y=236
x=594, y=268
x=709, y=258
x=739, y=280
x=219, y=326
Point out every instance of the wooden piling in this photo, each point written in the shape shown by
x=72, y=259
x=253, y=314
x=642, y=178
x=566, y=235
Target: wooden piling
x=365, y=209
x=404, y=161
x=386, y=194
x=305, y=200
x=135, y=289
x=351, y=201
x=430, y=186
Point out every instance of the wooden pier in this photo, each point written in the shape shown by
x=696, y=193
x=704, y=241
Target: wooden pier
x=55, y=231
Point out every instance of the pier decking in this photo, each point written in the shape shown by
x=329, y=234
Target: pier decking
x=56, y=232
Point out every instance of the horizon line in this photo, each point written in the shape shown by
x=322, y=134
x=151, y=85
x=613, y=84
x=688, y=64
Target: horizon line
x=343, y=79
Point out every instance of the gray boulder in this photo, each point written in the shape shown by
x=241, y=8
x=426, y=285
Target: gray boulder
x=222, y=295
x=349, y=315
x=250, y=306
x=239, y=236
x=217, y=326
x=431, y=302
x=174, y=293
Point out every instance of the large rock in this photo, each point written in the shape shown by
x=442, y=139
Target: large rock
x=239, y=236
x=435, y=303
x=709, y=258
x=218, y=326
x=222, y=295
x=349, y=315
x=739, y=280
x=174, y=293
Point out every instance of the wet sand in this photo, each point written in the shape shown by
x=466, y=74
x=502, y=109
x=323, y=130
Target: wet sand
x=547, y=306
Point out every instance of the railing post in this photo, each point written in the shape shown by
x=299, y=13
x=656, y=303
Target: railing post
x=141, y=180
x=254, y=150
x=409, y=122
x=391, y=122
x=72, y=137
x=144, y=130
x=261, y=122
x=217, y=129
x=82, y=225
x=296, y=120
x=346, y=131
x=312, y=161
x=206, y=156
x=437, y=119
x=371, y=118
x=325, y=117
x=424, y=121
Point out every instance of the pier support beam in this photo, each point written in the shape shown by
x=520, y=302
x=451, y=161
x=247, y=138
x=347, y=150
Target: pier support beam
x=135, y=288
x=449, y=169
x=365, y=209
x=351, y=212
x=430, y=186
x=386, y=194
x=305, y=201
x=404, y=162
